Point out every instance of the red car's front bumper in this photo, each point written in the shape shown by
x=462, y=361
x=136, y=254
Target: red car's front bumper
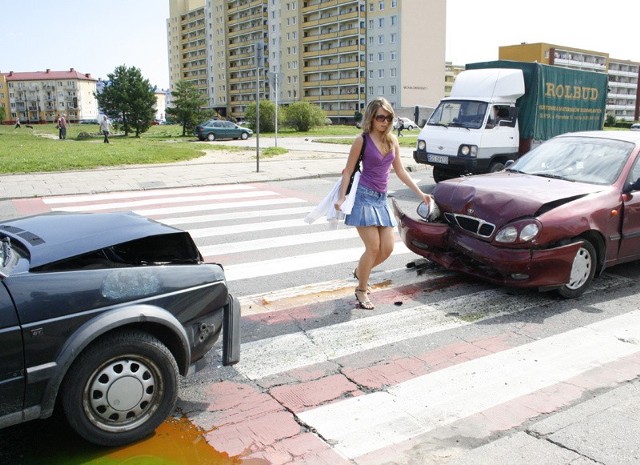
x=459, y=251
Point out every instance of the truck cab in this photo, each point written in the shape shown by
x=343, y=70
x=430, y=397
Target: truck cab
x=475, y=130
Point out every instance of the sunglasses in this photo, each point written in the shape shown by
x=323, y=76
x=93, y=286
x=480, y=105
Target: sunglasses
x=381, y=118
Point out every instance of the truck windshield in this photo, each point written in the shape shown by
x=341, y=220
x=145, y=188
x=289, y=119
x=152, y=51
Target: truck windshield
x=460, y=113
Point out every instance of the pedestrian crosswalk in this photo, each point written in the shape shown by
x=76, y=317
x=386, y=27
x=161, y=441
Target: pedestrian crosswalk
x=234, y=224
x=441, y=357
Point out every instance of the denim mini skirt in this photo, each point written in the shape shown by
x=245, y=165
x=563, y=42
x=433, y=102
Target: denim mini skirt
x=370, y=208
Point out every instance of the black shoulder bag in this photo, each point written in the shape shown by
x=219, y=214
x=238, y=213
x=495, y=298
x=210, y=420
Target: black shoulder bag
x=357, y=168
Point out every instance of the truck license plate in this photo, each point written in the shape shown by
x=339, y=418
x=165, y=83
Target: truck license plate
x=438, y=159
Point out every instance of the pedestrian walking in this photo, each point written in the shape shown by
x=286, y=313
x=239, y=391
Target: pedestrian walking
x=18, y=126
x=400, y=128
x=105, y=127
x=62, y=127
x=371, y=214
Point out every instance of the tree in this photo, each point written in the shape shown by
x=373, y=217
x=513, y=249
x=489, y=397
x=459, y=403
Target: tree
x=187, y=106
x=128, y=99
x=302, y=116
x=2, y=114
x=267, y=116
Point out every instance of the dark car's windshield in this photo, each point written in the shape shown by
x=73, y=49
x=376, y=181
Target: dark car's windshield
x=582, y=159
x=460, y=113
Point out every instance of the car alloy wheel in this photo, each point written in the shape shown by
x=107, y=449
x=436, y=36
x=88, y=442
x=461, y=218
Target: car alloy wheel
x=244, y=136
x=211, y=137
x=120, y=389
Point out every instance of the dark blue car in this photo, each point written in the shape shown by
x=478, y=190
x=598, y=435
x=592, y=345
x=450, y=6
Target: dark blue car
x=100, y=314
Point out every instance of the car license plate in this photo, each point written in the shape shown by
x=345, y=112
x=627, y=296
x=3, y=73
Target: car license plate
x=438, y=159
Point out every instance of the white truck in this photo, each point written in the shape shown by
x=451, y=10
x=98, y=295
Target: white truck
x=498, y=110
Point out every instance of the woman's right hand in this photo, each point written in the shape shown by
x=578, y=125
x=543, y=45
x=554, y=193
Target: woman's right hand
x=339, y=203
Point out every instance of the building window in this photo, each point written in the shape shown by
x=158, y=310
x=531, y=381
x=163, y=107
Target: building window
x=381, y=6
x=381, y=73
x=393, y=37
x=380, y=22
x=380, y=40
x=371, y=57
x=392, y=90
x=380, y=56
x=394, y=20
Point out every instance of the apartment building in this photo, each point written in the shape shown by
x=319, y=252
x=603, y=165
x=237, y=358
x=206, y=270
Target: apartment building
x=337, y=54
x=187, y=43
x=41, y=96
x=623, y=98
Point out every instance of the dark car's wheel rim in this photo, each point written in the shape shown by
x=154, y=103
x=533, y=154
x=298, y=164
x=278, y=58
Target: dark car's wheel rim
x=244, y=136
x=123, y=393
x=211, y=136
x=120, y=388
x=581, y=269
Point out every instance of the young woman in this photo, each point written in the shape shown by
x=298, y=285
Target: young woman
x=371, y=214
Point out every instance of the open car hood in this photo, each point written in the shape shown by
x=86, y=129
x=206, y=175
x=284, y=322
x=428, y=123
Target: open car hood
x=502, y=197
x=52, y=237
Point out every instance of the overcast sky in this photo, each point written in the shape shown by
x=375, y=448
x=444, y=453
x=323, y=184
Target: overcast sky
x=96, y=37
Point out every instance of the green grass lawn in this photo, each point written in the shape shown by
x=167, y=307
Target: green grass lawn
x=27, y=150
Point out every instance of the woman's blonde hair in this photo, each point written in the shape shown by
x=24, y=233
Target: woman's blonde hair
x=368, y=121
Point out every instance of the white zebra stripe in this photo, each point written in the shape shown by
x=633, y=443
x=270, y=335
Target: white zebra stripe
x=367, y=423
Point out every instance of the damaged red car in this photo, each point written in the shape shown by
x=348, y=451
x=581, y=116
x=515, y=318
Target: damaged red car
x=553, y=220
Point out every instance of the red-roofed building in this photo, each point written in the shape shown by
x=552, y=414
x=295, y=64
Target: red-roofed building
x=41, y=96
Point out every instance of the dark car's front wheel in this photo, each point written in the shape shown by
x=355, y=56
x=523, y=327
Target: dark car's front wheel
x=244, y=136
x=120, y=389
x=582, y=271
x=211, y=137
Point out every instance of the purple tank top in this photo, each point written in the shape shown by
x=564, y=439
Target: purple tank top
x=375, y=166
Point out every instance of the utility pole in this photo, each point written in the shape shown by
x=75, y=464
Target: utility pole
x=259, y=64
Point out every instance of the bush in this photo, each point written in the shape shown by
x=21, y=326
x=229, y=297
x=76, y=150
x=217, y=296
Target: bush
x=303, y=116
x=267, y=116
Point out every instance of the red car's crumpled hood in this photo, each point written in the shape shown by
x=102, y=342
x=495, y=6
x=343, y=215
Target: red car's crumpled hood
x=502, y=197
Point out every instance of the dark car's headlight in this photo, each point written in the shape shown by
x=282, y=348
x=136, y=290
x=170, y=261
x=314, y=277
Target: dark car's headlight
x=523, y=231
x=468, y=151
x=422, y=145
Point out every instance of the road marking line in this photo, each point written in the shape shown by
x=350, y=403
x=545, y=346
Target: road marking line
x=148, y=193
x=299, y=262
x=280, y=241
x=280, y=354
x=167, y=200
x=197, y=233
x=252, y=204
x=363, y=424
x=240, y=215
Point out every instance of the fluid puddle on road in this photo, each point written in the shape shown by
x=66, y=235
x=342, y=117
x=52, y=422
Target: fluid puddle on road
x=175, y=442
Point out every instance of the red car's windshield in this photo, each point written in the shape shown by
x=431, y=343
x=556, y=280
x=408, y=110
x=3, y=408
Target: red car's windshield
x=580, y=159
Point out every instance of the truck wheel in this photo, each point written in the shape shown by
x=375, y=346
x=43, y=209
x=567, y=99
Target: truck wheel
x=440, y=174
x=120, y=389
x=582, y=271
x=496, y=166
